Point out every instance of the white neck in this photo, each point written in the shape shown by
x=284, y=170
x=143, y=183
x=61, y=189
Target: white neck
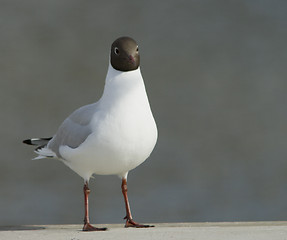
x=125, y=77
x=123, y=86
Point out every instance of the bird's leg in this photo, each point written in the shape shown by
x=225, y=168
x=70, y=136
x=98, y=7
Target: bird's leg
x=87, y=225
x=129, y=220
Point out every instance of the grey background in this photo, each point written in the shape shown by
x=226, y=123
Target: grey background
x=215, y=72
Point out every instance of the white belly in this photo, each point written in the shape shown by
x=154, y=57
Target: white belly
x=117, y=145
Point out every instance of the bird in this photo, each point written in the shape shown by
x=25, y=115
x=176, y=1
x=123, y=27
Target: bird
x=111, y=136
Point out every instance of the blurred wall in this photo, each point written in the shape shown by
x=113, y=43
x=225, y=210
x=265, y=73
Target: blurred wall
x=215, y=72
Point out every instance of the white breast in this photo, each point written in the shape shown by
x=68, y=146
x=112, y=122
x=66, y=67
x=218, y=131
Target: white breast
x=124, y=132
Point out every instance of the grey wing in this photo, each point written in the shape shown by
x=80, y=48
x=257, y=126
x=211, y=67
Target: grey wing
x=74, y=130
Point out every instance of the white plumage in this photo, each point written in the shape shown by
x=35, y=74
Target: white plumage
x=110, y=137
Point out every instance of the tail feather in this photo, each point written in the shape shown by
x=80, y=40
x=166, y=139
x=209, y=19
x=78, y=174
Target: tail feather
x=41, y=149
x=44, y=152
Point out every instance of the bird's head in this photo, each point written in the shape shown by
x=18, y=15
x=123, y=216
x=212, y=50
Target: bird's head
x=125, y=54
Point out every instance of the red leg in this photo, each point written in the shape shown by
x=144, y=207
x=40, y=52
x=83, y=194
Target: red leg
x=129, y=220
x=87, y=225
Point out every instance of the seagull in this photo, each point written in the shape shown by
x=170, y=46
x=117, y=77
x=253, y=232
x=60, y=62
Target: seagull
x=111, y=136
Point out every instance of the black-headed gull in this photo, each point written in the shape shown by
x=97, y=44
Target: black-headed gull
x=111, y=136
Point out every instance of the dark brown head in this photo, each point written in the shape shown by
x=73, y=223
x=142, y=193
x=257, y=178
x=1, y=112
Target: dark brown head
x=125, y=54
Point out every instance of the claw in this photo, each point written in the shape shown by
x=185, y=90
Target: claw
x=132, y=223
x=88, y=227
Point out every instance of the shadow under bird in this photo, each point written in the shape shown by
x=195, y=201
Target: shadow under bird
x=111, y=136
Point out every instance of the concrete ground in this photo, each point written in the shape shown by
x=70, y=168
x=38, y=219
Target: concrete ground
x=190, y=231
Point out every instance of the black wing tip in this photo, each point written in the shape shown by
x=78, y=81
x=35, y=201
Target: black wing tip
x=28, y=141
x=37, y=141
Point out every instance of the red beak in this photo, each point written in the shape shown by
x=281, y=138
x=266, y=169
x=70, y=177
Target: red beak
x=131, y=58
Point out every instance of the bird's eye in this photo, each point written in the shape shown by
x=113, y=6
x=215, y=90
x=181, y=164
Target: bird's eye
x=117, y=51
x=137, y=48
